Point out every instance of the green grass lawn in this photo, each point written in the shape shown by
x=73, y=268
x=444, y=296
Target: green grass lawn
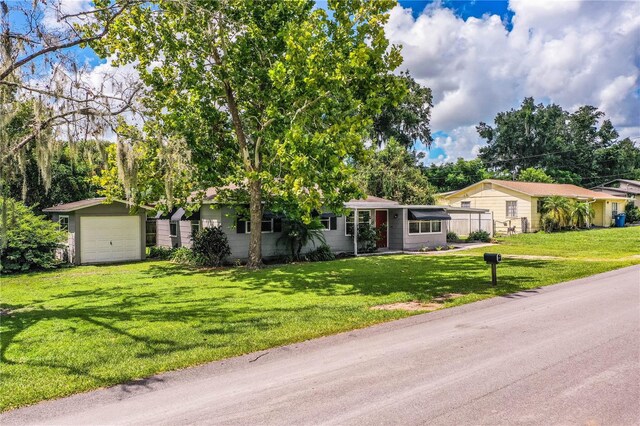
x=595, y=244
x=81, y=328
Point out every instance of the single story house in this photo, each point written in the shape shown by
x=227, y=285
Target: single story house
x=517, y=205
x=402, y=227
x=622, y=188
x=99, y=232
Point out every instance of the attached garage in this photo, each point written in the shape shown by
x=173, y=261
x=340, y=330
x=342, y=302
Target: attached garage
x=101, y=233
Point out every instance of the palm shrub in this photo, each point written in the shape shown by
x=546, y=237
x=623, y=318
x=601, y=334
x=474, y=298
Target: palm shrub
x=582, y=214
x=28, y=241
x=298, y=234
x=210, y=246
x=556, y=213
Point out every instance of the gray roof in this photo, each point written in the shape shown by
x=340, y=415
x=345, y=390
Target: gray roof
x=83, y=204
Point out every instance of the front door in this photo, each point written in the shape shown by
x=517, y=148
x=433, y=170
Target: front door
x=381, y=228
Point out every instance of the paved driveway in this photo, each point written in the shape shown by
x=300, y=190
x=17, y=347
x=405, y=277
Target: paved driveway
x=566, y=354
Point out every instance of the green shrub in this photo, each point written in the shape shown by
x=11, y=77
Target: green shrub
x=367, y=238
x=29, y=240
x=186, y=256
x=321, y=254
x=479, y=236
x=211, y=245
x=161, y=253
x=632, y=212
x=452, y=237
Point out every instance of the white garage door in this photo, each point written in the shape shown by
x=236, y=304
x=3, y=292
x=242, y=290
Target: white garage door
x=109, y=239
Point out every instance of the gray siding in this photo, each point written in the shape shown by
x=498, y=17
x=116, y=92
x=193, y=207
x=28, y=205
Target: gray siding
x=399, y=238
x=396, y=242
x=71, y=237
x=164, y=238
x=416, y=242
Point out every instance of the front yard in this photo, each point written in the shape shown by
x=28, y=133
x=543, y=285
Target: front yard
x=81, y=328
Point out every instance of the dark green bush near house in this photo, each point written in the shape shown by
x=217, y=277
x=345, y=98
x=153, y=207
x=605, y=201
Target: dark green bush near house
x=367, y=238
x=160, y=253
x=479, y=236
x=28, y=241
x=211, y=245
x=321, y=254
x=452, y=237
x=632, y=212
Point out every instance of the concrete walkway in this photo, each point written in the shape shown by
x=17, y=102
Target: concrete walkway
x=564, y=354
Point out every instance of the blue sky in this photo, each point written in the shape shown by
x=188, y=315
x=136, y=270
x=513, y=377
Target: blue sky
x=483, y=57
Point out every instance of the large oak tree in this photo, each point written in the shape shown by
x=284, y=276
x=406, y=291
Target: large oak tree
x=283, y=93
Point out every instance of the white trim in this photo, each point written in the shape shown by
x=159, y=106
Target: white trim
x=376, y=225
x=247, y=226
x=194, y=222
x=60, y=217
x=356, y=222
x=95, y=202
x=419, y=227
x=177, y=223
x=506, y=209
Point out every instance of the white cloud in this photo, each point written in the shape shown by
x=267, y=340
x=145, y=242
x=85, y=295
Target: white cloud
x=568, y=52
x=58, y=8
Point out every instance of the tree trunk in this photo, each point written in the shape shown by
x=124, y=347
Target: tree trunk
x=255, y=241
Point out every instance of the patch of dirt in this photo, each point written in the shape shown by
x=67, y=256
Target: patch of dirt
x=435, y=304
x=407, y=306
x=5, y=312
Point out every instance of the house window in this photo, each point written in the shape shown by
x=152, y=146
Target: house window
x=325, y=222
x=425, y=226
x=512, y=209
x=364, y=217
x=267, y=226
x=539, y=206
x=63, y=223
x=173, y=228
x=195, y=227
x=465, y=204
x=614, y=208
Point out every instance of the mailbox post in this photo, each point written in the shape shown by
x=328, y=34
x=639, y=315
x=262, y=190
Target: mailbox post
x=493, y=259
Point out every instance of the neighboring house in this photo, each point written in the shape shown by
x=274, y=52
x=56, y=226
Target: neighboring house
x=518, y=204
x=99, y=232
x=622, y=188
x=402, y=227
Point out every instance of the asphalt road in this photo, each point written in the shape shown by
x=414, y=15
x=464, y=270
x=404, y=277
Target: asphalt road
x=564, y=354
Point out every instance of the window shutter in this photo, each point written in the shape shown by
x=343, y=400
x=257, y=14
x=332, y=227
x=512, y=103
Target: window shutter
x=277, y=224
x=333, y=223
x=241, y=227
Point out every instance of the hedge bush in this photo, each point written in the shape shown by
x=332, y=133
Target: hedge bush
x=479, y=236
x=452, y=237
x=211, y=245
x=321, y=254
x=29, y=241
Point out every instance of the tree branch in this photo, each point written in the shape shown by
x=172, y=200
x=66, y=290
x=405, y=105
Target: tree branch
x=53, y=48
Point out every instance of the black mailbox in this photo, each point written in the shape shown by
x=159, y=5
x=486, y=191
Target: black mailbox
x=492, y=258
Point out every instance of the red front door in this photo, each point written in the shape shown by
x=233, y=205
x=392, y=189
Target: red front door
x=381, y=228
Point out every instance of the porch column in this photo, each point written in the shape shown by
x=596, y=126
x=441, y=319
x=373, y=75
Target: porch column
x=355, y=232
